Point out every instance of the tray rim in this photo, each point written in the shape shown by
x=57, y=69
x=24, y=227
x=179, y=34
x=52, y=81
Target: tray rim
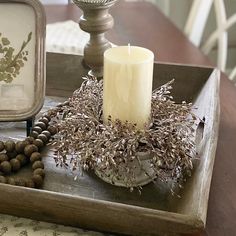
x=203, y=212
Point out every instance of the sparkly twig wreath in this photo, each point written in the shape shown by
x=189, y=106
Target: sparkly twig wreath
x=84, y=141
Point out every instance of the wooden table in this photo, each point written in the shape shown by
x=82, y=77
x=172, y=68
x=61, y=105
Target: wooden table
x=142, y=24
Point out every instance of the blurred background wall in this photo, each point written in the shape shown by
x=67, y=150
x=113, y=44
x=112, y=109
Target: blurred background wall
x=178, y=10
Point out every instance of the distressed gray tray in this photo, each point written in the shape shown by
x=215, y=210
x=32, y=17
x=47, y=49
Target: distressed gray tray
x=91, y=203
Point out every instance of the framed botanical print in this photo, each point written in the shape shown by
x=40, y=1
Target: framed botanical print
x=22, y=59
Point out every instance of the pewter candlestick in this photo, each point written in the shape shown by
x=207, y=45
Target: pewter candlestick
x=96, y=21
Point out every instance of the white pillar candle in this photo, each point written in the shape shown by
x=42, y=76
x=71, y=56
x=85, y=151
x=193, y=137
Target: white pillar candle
x=127, y=91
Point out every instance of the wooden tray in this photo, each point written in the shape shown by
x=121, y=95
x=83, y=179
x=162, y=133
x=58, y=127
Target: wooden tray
x=91, y=203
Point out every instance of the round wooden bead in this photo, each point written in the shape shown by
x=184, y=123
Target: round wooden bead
x=12, y=154
x=47, y=116
x=42, y=125
x=15, y=164
x=47, y=133
x=44, y=120
x=9, y=146
x=5, y=167
x=38, y=180
x=39, y=143
x=20, y=145
x=3, y=157
x=1, y=146
x=29, y=149
x=3, y=180
x=52, y=129
x=37, y=129
x=37, y=164
x=29, y=139
x=34, y=134
x=20, y=182
x=66, y=103
x=43, y=137
x=40, y=172
x=35, y=156
x=11, y=181
x=22, y=158
x=59, y=104
x=29, y=183
x=27, y=142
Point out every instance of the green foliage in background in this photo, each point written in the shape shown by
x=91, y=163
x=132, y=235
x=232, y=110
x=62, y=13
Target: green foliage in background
x=11, y=62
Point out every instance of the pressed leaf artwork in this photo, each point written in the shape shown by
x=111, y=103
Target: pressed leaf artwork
x=11, y=61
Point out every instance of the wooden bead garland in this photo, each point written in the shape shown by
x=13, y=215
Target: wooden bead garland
x=14, y=155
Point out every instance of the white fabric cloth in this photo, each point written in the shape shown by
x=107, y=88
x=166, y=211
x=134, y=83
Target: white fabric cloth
x=66, y=37
x=16, y=226
x=49, y=2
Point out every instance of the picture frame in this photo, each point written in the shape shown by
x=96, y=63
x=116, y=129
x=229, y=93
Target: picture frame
x=22, y=59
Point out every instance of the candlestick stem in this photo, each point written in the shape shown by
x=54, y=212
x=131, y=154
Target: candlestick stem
x=96, y=21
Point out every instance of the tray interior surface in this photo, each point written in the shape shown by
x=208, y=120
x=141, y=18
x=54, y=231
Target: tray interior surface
x=191, y=84
x=188, y=84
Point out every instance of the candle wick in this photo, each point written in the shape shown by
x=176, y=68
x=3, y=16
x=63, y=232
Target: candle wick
x=129, y=49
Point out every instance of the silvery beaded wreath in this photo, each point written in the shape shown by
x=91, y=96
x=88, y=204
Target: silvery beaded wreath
x=84, y=142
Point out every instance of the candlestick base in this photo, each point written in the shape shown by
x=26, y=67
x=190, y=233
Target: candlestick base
x=96, y=21
x=143, y=173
